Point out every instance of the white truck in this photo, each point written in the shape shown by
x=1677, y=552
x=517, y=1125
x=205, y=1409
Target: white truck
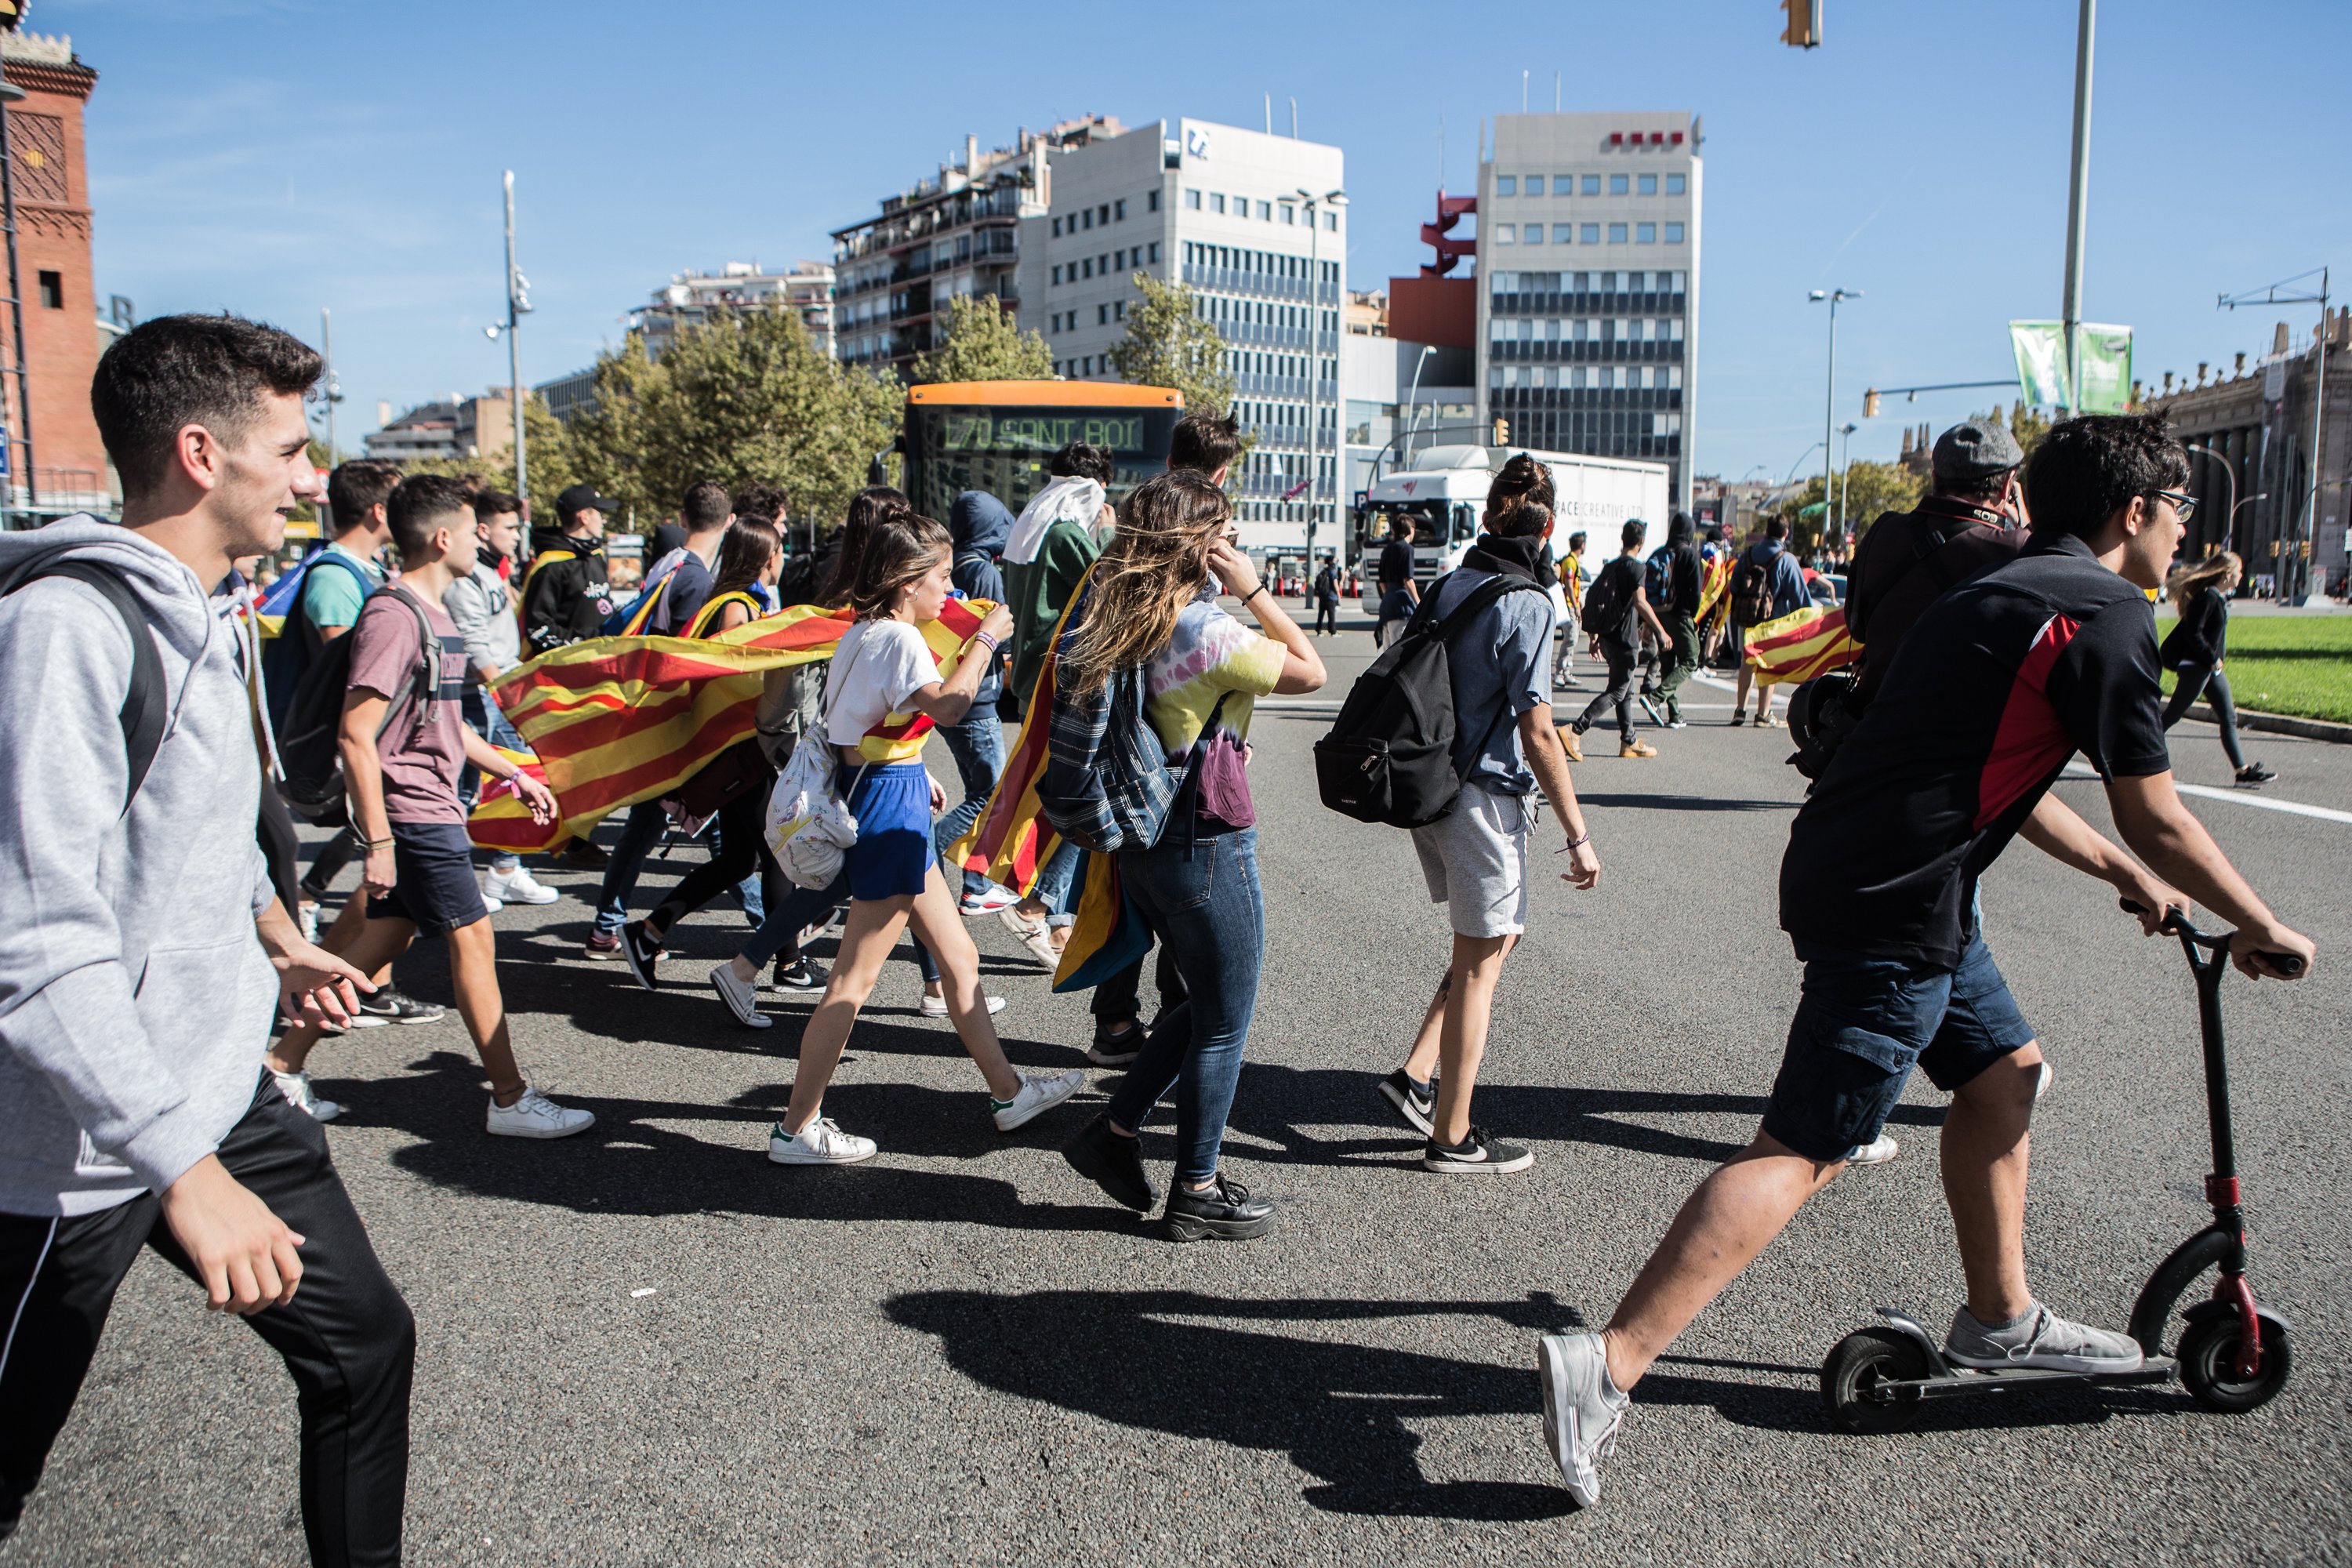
x=1444, y=491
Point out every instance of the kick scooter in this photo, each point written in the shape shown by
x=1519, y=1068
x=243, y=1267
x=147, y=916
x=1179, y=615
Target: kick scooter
x=2233, y=1356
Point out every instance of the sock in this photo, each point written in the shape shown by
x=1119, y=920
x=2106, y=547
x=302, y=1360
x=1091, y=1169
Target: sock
x=1422, y=1087
x=2018, y=1322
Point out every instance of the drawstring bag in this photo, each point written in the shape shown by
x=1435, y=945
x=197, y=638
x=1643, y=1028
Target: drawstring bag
x=809, y=822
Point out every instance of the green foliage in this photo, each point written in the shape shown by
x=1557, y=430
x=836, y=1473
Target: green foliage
x=983, y=344
x=1170, y=343
x=2026, y=423
x=1871, y=490
x=745, y=398
x=2298, y=665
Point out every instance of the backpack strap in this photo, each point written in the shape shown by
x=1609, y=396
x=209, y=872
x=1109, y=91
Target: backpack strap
x=425, y=680
x=143, y=706
x=1478, y=599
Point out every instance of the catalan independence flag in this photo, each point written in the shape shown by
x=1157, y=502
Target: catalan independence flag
x=501, y=821
x=1715, y=578
x=614, y=721
x=1012, y=840
x=1800, y=646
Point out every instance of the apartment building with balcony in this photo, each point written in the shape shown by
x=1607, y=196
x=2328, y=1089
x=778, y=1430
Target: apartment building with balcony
x=691, y=298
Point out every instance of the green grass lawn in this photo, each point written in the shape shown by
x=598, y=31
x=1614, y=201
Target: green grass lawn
x=2300, y=665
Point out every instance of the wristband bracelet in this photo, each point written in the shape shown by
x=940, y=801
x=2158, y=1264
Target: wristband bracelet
x=1253, y=593
x=984, y=638
x=1578, y=843
x=373, y=845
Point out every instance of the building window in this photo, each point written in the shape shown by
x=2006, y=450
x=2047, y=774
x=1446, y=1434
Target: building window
x=1646, y=185
x=1086, y=218
x=1591, y=185
x=1332, y=222
x=1118, y=310
x=1193, y=201
x=1619, y=184
x=1216, y=202
x=1674, y=234
x=1507, y=184
x=1058, y=276
x=1535, y=185
x=1563, y=185
x=1504, y=283
x=53, y=290
x=1616, y=234
x=1086, y=267
x=1608, y=376
x=1588, y=233
x=1152, y=201
x=1118, y=208
x=1645, y=234
x=1533, y=234
x=1289, y=214
x=1155, y=253
x=1102, y=315
x=1505, y=234
x=1676, y=185
x=1057, y=228
x=1561, y=232
x=1266, y=212
x=1102, y=214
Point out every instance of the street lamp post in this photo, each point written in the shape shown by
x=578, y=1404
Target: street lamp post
x=1829, y=407
x=1315, y=361
x=518, y=306
x=1845, y=467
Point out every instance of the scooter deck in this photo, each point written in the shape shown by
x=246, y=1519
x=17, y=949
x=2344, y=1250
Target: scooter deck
x=1969, y=1380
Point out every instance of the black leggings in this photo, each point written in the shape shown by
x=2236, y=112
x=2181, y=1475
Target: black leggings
x=1326, y=615
x=742, y=845
x=333, y=855
x=2209, y=679
x=1622, y=662
x=347, y=1337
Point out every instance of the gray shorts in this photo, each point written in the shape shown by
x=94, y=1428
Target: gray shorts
x=1475, y=861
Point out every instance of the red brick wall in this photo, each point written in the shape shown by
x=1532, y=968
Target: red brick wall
x=52, y=191
x=1440, y=311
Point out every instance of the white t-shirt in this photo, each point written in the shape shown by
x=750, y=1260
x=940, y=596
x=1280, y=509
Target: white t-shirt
x=877, y=666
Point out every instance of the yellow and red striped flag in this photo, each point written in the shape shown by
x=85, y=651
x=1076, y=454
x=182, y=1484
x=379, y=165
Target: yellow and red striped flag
x=1800, y=646
x=615, y=720
x=1010, y=841
x=501, y=821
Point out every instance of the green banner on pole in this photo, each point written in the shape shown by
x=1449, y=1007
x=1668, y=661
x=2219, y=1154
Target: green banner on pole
x=2041, y=362
x=2107, y=353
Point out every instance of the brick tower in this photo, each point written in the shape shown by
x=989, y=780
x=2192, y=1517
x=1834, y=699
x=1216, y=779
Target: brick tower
x=61, y=333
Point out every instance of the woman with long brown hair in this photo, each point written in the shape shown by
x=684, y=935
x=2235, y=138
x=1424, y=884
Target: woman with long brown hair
x=1197, y=887
x=2195, y=649
x=882, y=697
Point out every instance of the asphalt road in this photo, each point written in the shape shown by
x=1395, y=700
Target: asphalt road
x=649, y=1345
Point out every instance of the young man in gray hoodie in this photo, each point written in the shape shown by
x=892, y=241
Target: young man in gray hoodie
x=143, y=950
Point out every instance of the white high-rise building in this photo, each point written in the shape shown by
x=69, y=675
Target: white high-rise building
x=1588, y=285
x=1250, y=222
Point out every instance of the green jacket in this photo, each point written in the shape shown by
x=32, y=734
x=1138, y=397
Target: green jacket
x=1037, y=590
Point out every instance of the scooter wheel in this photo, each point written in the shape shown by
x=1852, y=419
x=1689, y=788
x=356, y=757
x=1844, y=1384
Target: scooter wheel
x=1852, y=1375
x=2209, y=1364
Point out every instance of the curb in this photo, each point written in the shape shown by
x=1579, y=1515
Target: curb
x=2282, y=724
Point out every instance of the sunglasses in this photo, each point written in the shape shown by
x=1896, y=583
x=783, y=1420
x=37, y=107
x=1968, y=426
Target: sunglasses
x=2185, y=505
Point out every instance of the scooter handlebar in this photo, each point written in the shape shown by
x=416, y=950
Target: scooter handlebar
x=2288, y=964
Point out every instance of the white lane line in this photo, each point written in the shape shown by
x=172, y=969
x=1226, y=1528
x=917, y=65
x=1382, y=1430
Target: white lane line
x=2236, y=797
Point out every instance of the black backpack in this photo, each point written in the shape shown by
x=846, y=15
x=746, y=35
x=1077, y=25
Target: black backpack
x=1390, y=755
x=1606, y=603
x=309, y=742
x=298, y=644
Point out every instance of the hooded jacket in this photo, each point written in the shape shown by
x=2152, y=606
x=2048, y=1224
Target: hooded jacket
x=563, y=601
x=135, y=998
x=980, y=524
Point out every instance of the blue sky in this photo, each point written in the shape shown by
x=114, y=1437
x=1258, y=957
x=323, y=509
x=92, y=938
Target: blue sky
x=272, y=156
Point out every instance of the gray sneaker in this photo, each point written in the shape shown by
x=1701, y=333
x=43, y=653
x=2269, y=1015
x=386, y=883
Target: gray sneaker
x=1580, y=1410
x=2040, y=1339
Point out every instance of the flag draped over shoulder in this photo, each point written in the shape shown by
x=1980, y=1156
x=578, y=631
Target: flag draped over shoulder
x=1714, y=579
x=615, y=720
x=1800, y=646
x=1010, y=841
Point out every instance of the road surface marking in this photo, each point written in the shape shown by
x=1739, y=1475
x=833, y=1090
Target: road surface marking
x=2236, y=797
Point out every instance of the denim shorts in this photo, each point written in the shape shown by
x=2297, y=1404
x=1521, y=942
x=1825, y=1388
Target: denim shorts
x=893, y=853
x=1860, y=1025
x=432, y=880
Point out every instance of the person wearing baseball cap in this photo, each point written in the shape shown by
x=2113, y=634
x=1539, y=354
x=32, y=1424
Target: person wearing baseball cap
x=1973, y=521
x=565, y=598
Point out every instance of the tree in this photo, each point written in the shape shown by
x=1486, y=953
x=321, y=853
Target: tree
x=983, y=344
x=1871, y=490
x=1170, y=343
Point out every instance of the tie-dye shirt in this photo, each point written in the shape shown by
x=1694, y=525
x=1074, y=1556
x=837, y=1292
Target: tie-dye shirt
x=1213, y=656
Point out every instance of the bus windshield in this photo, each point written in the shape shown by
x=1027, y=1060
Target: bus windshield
x=996, y=436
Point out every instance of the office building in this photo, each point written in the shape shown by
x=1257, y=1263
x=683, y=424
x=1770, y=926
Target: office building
x=691, y=298
x=453, y=427
x=1244, y=219
x=1588, y=269
x=954, y=235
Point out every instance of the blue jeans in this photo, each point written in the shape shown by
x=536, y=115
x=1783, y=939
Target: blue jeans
x=804, y=907
x=1205, y=907
x=978, y=747
x=1055, y=880
x=482, y=716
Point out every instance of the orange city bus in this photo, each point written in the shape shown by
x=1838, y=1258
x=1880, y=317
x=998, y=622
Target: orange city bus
x=995, y=436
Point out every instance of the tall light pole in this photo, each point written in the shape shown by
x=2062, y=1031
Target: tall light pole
x=2078, y=213
x=11, y=93
x=1829, y=407
x=1845, y=467
x=518, y=306
x=1311, y=202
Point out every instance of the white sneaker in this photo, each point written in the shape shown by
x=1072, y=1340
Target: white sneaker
x=987, y=901
x=936, y=1006
x=309, y=920
x=1580, y=1410
x=742, y=996
x=1040, y=1092
x=1040, y=943
x=517, y=887
x=296, y=1087
x=492, y=906
x=1877, y=1152
x=536, y=1116
x=2041, y=1083
x=821, y=1143
x=1019, y=924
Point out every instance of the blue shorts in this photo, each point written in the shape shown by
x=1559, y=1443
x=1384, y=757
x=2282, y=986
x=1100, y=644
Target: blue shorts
x=432, y=880
x=1862, y=1024
x=893, y=853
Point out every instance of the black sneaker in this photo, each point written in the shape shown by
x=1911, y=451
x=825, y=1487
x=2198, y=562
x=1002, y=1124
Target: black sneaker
x=641, y=954
x=1112, y=1162
x=1116, y=1047
x=1418, y=1108
x=386, y=1005
x=2254, y=773
x=1480, y=1154
x=1225, y=1212
x=799, y=974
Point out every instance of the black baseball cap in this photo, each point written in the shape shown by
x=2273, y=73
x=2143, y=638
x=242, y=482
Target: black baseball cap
x=577, y=499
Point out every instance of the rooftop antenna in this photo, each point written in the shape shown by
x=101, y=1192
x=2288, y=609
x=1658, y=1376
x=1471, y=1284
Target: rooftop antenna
x=1555, y=92
x=1269, y=114
x=1293, y=120
x=1522, y=92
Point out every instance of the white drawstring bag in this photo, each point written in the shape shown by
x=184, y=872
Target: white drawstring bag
x=809, y=824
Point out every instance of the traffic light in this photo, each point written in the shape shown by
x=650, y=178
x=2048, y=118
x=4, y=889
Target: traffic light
x=1870, y=404
x=1501, y=431
x=1804, y=26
